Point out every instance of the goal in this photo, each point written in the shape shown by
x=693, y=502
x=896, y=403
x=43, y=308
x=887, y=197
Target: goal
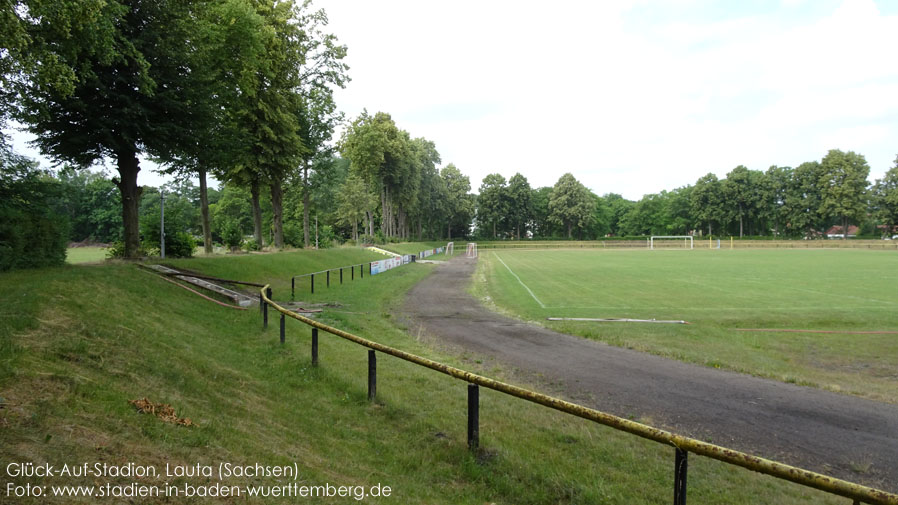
x=450, y=249
x=671, y=242
x=472, y=250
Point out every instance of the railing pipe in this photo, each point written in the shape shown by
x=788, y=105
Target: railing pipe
x=783, y=471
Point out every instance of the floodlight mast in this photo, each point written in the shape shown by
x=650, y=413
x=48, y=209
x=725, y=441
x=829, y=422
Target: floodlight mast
x=688, y=242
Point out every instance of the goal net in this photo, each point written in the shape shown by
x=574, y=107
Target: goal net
x=671, y=242
x=472, y=250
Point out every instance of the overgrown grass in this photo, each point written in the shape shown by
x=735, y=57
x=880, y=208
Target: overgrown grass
x=75, y=255
x=718, y=292
x=77, y=343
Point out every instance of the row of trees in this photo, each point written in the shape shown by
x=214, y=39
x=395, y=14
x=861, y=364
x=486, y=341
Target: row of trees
x=394, y=179
x=241, y=89
x=782, y=201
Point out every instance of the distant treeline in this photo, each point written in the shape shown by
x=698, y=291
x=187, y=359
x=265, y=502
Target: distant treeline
x=784, y=202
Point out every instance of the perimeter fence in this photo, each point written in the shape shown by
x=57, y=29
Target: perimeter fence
x=682, y=445
x=700, y=243
x=373, y=268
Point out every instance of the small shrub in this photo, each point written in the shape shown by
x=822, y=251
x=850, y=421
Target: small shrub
x=251, y=245
x=232, y=236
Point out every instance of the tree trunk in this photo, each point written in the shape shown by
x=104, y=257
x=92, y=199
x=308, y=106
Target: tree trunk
x=449, y=230
x=355, y=229
x=277, y=208
x=204, y=211
x=844, y=228
x=128, y=167
x=257, y=212
x=494, y=229
x=569, y=226
x=740, y=225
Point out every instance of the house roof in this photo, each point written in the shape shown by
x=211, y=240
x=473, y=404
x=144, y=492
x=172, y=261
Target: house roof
x=837, y=230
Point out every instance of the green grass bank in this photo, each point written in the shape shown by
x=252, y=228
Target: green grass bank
x=77, y=343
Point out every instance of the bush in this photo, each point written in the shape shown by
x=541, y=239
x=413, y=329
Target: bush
x=231, y=235
x=32, y=232
x=251, y=245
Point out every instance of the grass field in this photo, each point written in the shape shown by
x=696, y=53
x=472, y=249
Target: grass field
x=77, y=343
x=75, y=255
x=719, y=292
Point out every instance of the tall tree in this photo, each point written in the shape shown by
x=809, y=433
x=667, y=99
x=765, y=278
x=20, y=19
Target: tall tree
x=778, y=180
x=570, y=204
x=843, y=183
x=618, y=207
x=231, y=49
x=742, y=189
x=459, y=208
x=885, y=197
x=707, y=201
x=540, y=223
x=380, y=153
x=108, y=79
x=492, y=203
x=520, y=206
x=323, y=68
x=803, y=199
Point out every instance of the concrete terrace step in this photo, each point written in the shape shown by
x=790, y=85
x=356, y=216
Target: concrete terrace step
x=238, y=298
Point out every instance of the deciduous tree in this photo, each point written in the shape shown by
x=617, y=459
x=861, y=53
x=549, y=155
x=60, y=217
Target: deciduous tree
x=570, y=204
x=843, y=184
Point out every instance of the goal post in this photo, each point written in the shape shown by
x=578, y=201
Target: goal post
x=450, y=249
x=671, y=242
x=472, y=250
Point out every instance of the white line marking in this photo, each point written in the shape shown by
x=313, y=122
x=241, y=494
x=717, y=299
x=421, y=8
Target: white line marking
x=522, y=282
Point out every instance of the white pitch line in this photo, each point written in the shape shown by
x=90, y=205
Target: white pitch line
x=522, y=282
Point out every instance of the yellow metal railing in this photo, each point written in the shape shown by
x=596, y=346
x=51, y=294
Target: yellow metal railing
x=856, y=492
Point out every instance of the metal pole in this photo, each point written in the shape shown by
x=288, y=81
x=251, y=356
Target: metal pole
x=352, y=273
x=264, y=316
x=162, y=223
x=372, y=375
x=313, y=284
x=283, y=332
x=681, y=463
x=341, y=275
x=473, y=416
x=315, y=346
x=328, y=278
x=292, y=287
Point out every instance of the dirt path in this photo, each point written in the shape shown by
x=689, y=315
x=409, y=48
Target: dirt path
x=840, y=435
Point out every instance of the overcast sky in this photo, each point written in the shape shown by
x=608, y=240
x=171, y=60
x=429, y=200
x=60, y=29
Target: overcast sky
x=632, y=97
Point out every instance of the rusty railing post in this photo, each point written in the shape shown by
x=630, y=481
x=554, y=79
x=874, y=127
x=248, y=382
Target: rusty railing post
x=283, y=329
x=473, y=416
x=314, y=346
x=372, y=375
x=681, y=464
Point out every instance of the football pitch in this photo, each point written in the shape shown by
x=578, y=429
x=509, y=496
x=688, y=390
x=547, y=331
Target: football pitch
x=849, y=298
